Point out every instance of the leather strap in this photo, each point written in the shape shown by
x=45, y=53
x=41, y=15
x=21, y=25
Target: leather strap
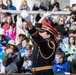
x=41, y=68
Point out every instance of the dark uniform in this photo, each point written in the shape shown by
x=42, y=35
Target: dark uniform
x=42, y=55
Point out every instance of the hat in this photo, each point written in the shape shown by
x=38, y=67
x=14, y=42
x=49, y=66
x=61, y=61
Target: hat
x=74, y=23
x=1, y=31
x=12, y=42
x=49, y=28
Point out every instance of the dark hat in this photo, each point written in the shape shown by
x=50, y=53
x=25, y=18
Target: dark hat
x=49, y=28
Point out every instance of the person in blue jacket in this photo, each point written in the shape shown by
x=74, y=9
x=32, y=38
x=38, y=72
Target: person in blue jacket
x=60, y=66
x=10, y=6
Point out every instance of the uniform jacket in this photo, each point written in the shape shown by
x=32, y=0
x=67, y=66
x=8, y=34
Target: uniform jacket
x=42, y=50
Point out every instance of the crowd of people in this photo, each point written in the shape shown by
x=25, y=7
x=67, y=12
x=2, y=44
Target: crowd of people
x=16, y=57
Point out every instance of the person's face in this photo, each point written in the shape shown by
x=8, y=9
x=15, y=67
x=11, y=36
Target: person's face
x=58, y=38
x=8, y=19
x=74, y=8
x=24, y=43
x=1, y=2
x=12, y=47
x=71, y=40
x=24, y=25
x=71, y=35
x=53, y=0
x=71, y=20
x=61, y=21
x=44, y=35
x=59, y=59
x=28, y=52
x=20, y=39
x=8, y=3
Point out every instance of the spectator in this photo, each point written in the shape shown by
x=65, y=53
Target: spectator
x=53, y=5
x=26, y=67
x=60, y=26
x=73, y=7
x=60, y=65
x=39, y=6
x=24, y=6
x=11, y=58
x=72, y=19
x=10, y=6
x=24, y=44
x=24, y=30
x=2, y=68
x=9, y=27
x=70, y=49
x=3, y=38
x=67, y=9
x=20, y=38
x=72, y=66
x=73, y=26
x=2, y=6
x=70, y=33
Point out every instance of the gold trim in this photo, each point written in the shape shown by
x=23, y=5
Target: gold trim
x=50, y=46
x=49, y=55
x=49, y=31
x=34, y=33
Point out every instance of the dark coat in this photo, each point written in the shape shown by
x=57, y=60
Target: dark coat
x=72, y=67
x=35, y=8
x=51, y=6
x=12, y=62
x=46, y=50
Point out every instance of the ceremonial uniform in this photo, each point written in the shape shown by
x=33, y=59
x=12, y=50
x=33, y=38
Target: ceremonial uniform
x=44, y=51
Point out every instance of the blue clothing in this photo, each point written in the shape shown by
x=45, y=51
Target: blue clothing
x=11, y=7
x=22, y=51
x=65, y=40
x=0, y=46
x=1, y=55
x=7, y=38
x=60, y=68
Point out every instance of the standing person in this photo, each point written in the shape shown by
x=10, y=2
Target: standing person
x=43, y=55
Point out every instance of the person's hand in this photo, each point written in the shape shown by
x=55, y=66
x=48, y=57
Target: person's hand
x=48, y=14
x=55, y=9
x=25, y=15
x=9, y=51
x=25, y=63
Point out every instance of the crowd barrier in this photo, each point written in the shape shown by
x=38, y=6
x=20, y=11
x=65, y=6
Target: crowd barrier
x=34, y=12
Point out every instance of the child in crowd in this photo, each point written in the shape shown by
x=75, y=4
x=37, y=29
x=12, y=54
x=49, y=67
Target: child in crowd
x=60, y=65
x=24, y=45
x=27, y=63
